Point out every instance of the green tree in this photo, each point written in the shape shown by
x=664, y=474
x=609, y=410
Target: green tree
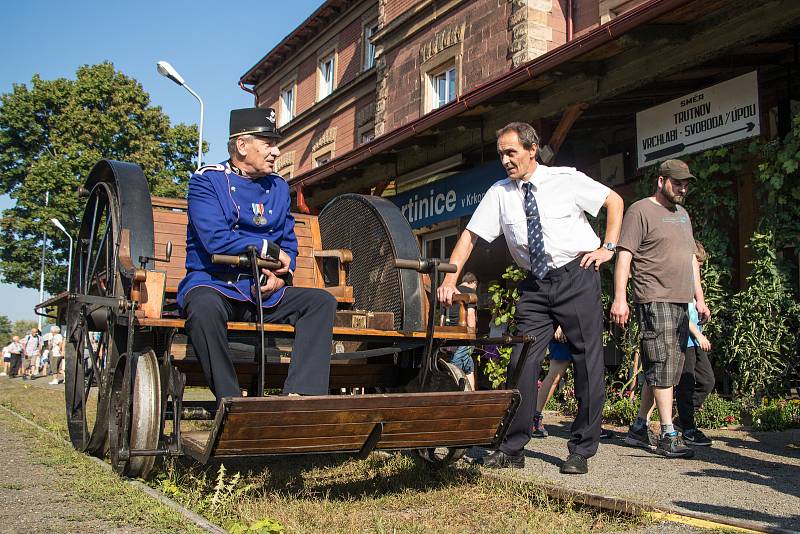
x=52, y=132
x=23, y=327
x=5, y=331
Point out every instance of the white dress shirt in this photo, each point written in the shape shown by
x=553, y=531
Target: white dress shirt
x=563, y=195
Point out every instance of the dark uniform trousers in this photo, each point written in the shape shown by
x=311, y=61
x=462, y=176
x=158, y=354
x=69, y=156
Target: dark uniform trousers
x=568, y=296
x=310, y=311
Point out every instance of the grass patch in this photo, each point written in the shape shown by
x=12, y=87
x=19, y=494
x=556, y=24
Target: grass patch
x=337, y=493
x=334, y=493
x=43, y=405
x=94, y=492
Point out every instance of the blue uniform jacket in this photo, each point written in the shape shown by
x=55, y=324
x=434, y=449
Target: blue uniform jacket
x=222, y=211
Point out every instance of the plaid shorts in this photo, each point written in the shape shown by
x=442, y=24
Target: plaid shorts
x=664, y=328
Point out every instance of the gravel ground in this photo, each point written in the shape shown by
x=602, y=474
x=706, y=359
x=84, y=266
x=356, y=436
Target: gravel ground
x=666, y=528
x=753, y=476
x=33, y=496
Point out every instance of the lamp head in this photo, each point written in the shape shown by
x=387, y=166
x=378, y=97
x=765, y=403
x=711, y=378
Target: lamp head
x=58, y=224
x=168, y=71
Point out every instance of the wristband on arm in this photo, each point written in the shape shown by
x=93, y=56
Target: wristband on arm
x=270, y=250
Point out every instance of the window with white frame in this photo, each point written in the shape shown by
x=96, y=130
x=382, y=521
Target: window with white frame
x=327, y=73
x=440, y=244
x=443, y=86
x=369, y=48
x=322, y=159
x=287, y=105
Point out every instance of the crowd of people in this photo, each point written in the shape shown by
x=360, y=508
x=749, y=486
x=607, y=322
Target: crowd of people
x=35, y=356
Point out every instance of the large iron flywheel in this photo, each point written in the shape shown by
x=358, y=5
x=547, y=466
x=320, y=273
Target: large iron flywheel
x=377, y=233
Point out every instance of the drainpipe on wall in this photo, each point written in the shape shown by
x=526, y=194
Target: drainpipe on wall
x=570, y=21
x=301, y=200
x=248, y=90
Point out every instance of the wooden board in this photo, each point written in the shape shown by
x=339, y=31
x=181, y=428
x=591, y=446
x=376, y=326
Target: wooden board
x=364, y=319
x=291, y=425
x=342, y=374
x=448, y=333
x=152, y=294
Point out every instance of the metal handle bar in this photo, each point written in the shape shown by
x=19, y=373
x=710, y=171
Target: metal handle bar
x=243, y=261
x=426, y=265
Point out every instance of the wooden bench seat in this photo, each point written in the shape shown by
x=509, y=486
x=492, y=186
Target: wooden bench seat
x=170, y=219
x=294, y=425
x=357, y=334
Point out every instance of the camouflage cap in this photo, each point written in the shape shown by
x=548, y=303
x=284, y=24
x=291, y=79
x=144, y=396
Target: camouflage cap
x=675, y=168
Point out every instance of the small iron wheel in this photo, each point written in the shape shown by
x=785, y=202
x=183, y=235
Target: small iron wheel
x=135, y=414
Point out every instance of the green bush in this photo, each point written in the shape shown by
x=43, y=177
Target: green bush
x=622, y=411
x=717, y=412
x=503, y=306
x=762, y=323
x=777, y=415
x=496, y=368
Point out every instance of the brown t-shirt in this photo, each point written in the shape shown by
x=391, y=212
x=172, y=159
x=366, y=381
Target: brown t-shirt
x=662, y=245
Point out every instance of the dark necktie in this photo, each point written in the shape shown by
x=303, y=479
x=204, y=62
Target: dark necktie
x=535, y=235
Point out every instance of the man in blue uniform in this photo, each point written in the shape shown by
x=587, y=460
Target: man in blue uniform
x=235, y=205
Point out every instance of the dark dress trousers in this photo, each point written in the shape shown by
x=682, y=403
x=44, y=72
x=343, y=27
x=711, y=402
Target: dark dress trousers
x=568, y=296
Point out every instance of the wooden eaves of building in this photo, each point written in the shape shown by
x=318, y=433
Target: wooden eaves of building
x=582, y=95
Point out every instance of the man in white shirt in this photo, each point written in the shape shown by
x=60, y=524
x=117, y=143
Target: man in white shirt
x=32, y=350
x=541, y=211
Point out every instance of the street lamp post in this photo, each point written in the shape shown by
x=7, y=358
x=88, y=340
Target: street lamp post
x=41, y=270
x=168, y=71
x=60, y=226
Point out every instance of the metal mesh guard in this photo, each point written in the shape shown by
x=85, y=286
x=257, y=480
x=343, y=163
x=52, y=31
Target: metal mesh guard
x=369, y=228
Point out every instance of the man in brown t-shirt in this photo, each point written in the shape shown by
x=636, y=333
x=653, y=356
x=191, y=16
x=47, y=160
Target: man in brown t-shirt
x=657, y=238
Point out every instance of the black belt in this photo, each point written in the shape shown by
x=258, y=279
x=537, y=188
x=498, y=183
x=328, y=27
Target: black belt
x=235, y=277
x=571, y=266
x=231, y=277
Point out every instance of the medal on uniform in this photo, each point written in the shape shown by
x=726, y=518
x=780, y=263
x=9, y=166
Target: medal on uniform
x=258, y=218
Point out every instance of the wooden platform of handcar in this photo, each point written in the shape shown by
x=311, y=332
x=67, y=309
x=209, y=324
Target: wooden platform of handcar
x=335, y=423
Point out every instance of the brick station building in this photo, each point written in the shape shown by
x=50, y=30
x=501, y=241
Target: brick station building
x=401, y=98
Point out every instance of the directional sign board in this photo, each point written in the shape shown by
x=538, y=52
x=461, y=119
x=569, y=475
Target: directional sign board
x=714, y=116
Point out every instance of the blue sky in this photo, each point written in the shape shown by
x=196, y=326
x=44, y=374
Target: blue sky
x=210, y=45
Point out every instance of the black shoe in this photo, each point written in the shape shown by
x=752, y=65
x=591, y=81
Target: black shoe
x=672, y=446
x=643, y=438
x=499, y=459
x=606, y=434
x=575, y=464
x=696, y=438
